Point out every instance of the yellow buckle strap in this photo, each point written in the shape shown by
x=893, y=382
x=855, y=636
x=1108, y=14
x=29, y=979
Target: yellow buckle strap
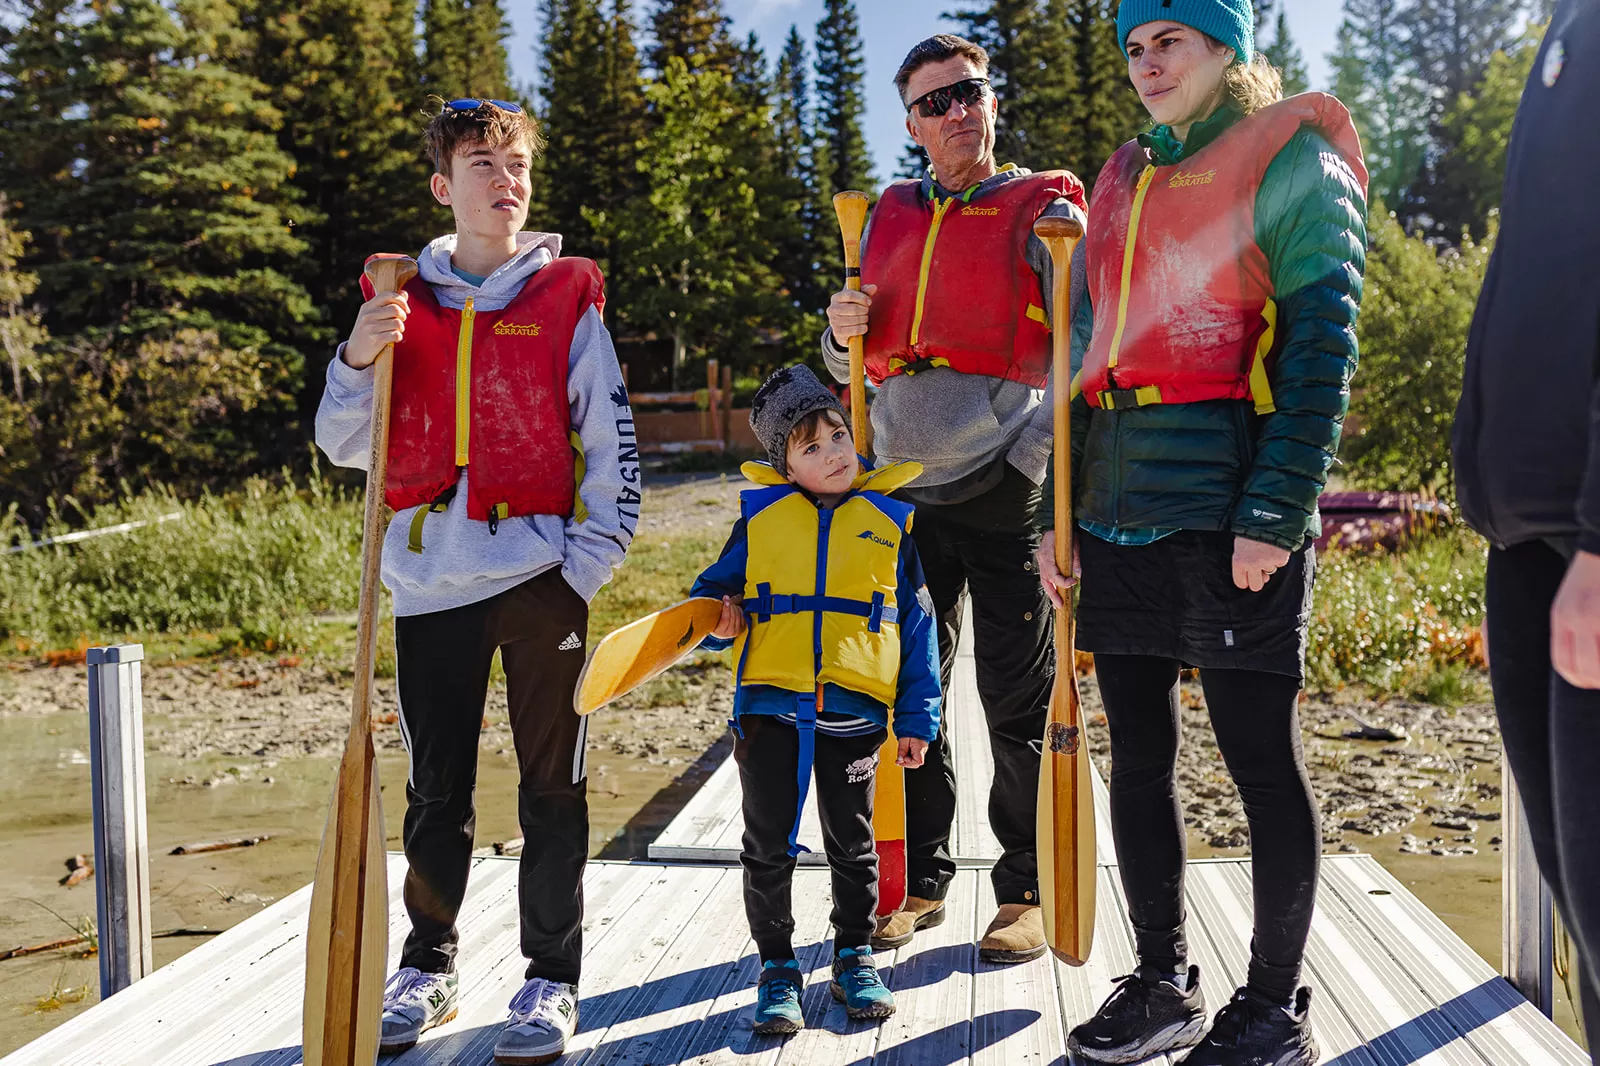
x=1260, y=385
x=414, y=537
x=1144, y=396
x=580, y=513
x=1036, y=313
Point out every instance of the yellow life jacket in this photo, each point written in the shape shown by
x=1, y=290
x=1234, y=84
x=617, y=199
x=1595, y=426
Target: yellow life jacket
x=820, y=584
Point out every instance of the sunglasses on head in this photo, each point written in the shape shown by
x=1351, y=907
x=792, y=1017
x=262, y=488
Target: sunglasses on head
x=467, y=103
x=936, y=103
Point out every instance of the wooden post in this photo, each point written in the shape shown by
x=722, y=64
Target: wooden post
x=727, y=408
x=121, y=846
x=713, y=406
x=1527, y=932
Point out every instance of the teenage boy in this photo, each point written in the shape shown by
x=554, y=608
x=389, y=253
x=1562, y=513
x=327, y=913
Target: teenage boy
x=839, y=631
x=515, y=486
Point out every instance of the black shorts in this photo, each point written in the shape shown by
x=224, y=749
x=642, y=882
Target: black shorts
x=1176, y=599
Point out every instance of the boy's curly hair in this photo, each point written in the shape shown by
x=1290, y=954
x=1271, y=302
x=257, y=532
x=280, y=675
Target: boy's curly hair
x=488, y=125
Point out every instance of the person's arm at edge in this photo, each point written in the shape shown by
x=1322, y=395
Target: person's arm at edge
x=611, y=488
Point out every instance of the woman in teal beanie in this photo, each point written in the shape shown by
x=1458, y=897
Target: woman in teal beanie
x=1213, y=359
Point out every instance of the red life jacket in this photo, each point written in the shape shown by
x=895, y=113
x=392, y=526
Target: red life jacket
x=489, y=390
x=954, y=285
x=1182, y=293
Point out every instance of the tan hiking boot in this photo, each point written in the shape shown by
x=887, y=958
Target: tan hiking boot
x=896, y=930
x=1015, y=935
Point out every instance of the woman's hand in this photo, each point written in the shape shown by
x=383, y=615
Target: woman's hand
x=731, y=624
x=910, y=753
x=1254, y=563
x=1050, y=576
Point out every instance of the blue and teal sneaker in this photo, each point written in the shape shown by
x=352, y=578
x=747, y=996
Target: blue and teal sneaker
x=778, y=999
x=857, y=985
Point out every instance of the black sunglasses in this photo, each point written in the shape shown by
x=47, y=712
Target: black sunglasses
x=466, y=103
x=936, y=103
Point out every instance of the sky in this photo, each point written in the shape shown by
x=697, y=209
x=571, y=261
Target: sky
x=888, y=29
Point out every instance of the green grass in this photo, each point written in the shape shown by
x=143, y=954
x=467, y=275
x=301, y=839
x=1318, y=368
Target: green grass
x=248, y=572
x=1404, y=623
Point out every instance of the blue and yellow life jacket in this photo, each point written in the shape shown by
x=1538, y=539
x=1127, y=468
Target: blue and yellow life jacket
x=820, y=595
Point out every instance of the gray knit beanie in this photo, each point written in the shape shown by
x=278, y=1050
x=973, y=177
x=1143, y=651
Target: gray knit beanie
x=782, y=401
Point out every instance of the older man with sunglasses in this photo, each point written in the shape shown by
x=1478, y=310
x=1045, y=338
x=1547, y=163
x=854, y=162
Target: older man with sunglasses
x=955, y=307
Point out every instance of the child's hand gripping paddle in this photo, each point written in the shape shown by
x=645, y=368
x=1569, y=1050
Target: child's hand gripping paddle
x=639, y=651
x=347, y=933
x=889, y=791
x=1066, y=807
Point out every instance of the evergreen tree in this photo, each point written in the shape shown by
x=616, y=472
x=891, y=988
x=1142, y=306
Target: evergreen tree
x=344, y=76
x=1451, y=42
x=842, y=159
x=685, y=250
x=1031, y=67
x=464, y=49
x=1107, y=111
x=913, y=161
x=21, y=332
x=695, y=31
x=188, y=335
x=839, y=150
x=1373, y=76
x=796, y=261
x=1478, y=128
x=577, y=45
x=1284, y=54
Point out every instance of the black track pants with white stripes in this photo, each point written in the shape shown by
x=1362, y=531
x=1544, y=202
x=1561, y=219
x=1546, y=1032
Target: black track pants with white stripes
x=443, y=663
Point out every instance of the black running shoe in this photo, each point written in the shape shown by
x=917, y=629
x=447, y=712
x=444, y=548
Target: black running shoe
x=1253, y=1031
x=1144, y=1016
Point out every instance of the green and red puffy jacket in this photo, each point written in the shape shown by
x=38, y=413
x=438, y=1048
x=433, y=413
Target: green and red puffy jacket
x=1218, y=464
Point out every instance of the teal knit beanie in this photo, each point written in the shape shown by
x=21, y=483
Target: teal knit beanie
x=1233, y=22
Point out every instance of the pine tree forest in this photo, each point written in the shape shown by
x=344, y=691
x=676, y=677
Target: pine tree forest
x=256, y=151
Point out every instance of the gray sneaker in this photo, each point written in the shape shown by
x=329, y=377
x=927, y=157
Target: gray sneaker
x=544, y=1015
x=413, y=1003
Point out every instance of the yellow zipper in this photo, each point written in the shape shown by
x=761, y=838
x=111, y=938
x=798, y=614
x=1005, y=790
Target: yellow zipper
x=464, y=383
x=939, y=210
x=1127, y=261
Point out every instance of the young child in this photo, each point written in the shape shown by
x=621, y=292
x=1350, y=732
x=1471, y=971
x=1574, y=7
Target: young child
x=514, y=498
x=822, y=565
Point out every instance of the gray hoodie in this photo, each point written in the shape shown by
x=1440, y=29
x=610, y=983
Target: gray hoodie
x=958, y=426
x=461, y=562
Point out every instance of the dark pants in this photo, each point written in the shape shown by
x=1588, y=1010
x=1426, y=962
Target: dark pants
x=1014, y=647
x=1551, y=732
x=844, y=773
x=1256, y=719
x=443, y=664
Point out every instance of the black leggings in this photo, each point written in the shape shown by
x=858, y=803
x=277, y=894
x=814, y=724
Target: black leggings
x=1257, y=723
x=1552, y=739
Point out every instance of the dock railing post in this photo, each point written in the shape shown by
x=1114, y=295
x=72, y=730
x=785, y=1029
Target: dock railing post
x=1527, y=926
x=121, y=847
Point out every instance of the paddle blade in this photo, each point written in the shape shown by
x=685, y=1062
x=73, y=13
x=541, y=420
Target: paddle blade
x=641, y=650
x=1066, y=844
x=889, y=828
x=347, y=932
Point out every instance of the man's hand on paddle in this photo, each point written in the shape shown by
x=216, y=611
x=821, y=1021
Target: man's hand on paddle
x=910, y=752
x=381, y=321
x=731, y=624
x=847, y=312
x=1254, y=563
x=1575, y=623
x=1050, y=576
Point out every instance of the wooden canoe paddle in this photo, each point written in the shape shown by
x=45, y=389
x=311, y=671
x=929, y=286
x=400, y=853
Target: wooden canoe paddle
x=347, y=935
x=1066, y=805
x=644, y=649
x=889, y=788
